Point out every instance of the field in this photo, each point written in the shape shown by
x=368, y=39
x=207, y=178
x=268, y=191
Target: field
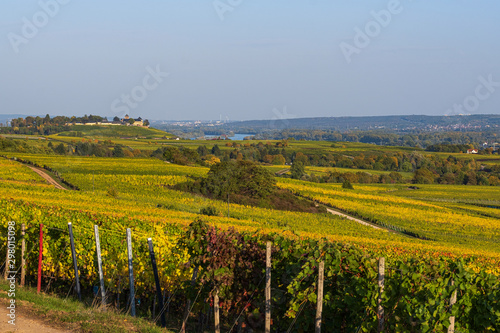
x=418, y=224
x=314, y=170
x=461, y=218
x=114, y=132
x=141, y=185
x=461, y=226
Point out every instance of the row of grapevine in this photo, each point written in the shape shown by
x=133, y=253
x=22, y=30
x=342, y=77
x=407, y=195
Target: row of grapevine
x=416, y=296
x=230, y=266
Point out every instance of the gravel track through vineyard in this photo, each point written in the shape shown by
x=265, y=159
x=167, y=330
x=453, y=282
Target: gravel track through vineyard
x=48, y=178
x=334, y=212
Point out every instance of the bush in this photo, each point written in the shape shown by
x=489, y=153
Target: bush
x=241, y=178
x=209, y=210
x=347, y=184
x=112, y=192
x=297, y=170
x=118, y=151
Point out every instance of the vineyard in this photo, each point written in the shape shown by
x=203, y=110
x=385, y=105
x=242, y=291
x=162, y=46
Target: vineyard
x=458, y=226
x=472, y=228
x=416, y=294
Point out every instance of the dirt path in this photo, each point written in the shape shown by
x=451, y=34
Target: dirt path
x=282, y=172
x=45, y=176
x=331, y=211
x=349, y=217
x=26, y=321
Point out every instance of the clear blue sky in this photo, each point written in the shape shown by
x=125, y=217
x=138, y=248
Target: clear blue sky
x=249, y=59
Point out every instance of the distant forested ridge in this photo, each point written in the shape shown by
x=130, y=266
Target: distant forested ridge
x=394, y=123
x=408, y=131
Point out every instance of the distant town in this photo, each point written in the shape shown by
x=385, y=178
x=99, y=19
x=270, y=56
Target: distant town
x=192, y=123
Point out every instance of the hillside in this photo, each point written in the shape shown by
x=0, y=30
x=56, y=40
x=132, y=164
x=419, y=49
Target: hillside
x=408, y=131
x=394, y=123
x=92, y=126
x=428, y=233
x=96, y=132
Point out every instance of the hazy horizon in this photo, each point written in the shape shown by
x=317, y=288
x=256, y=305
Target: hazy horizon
x=245, y=60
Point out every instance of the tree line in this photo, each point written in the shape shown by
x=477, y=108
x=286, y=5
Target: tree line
x=387, y=138
x=86, y=147
x=415, y=138
x=36, y=125
x=427, y=168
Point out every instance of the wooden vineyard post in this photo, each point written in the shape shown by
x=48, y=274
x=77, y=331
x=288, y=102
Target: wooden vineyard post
x=99, y=264
x=380, y=309
x=157, y=281
x=188, y=305
x=40, y=254
x=186, y=316
x=216, y=311
x=75, y=264
x=23, y=250
x=268, y=287
x=319, y=306
x=131, y=272
x=453, y=300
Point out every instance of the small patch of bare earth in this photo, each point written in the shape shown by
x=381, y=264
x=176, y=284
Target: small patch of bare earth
x=26, y=319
